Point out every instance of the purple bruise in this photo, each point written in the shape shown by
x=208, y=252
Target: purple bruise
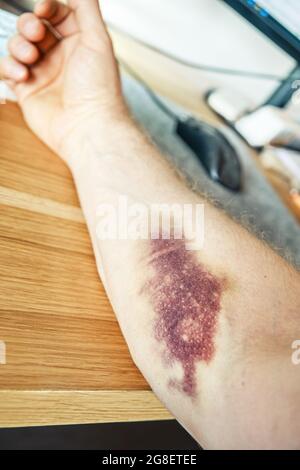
x=187, y=300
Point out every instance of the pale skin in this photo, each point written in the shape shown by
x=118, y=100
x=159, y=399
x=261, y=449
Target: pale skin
x=247, y=394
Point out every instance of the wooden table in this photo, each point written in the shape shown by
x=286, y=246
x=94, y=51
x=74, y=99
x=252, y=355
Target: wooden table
x=67, y=361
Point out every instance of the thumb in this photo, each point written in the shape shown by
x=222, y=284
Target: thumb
x=88, y=15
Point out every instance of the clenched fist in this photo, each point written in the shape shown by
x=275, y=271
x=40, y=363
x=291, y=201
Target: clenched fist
x=63, y=70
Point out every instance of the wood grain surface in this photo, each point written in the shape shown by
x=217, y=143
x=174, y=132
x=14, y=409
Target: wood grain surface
x=60, y=332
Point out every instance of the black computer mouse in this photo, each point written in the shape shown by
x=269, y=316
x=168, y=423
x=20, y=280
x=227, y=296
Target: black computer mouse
x=216, y=153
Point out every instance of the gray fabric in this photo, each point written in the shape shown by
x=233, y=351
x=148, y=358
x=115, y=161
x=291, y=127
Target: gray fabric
x=258, y=207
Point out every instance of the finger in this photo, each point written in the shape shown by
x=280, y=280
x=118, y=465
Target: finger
x=23, y=50
x=52, y=11
x=49, y=41
x=58, y=15
x=34, y=30
x=88, y=15
x=31, y=27
x=11, y=69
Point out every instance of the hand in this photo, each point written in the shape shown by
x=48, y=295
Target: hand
x=67, y=78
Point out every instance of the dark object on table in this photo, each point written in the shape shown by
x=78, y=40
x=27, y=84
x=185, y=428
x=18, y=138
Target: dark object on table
x=152, y=435
x=215, y=152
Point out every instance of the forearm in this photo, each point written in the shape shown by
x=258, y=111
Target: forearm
x=237, y=375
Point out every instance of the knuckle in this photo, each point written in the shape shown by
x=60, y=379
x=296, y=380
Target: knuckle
x=13, y=42
x=24, y=18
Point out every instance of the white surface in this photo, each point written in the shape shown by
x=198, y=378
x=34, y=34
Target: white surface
x=204, y=31
x=7, y=29
x=229, y=104
x=291, y=160
x=264, y=125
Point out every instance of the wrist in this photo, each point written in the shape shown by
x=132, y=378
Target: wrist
x=99, y=134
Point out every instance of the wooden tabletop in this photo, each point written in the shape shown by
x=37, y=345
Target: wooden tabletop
x=66, y=360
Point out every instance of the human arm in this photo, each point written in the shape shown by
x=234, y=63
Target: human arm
x=229, y=380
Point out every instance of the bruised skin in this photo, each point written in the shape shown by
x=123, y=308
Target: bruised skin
x=187, y=301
